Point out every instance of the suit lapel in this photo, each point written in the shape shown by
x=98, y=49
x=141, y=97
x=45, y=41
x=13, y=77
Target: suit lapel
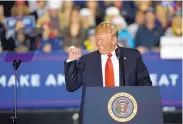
x=98, y=70
x=123, y=58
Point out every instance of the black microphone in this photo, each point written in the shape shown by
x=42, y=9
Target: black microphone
x=121, y=65
x=16, y=64
x=118, y=53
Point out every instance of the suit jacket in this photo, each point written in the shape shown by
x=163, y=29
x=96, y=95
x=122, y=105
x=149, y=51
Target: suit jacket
x=87, y=72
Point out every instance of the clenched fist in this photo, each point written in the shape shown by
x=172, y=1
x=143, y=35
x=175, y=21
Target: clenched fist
x=74, y=53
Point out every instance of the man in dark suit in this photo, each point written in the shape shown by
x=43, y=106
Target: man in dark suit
x=101, y=68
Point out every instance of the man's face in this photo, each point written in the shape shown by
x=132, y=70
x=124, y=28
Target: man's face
x=41, y=4
x=118, y=4
x=140, y=18
x=150, y=18
x=92, y=4
x=75, y=15
x=104, y=43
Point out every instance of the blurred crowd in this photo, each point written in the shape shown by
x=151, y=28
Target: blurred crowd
x=61, y=24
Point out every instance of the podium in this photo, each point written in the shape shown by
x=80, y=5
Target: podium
x=126, y=105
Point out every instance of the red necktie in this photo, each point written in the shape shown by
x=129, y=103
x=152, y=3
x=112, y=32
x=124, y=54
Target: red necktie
x=109, y=72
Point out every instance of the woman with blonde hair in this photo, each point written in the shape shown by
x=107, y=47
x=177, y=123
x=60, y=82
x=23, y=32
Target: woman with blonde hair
x=65, y=11
x=176, y=28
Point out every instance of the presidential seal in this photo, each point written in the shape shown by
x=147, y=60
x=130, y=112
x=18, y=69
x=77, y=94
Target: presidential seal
x=122, y=107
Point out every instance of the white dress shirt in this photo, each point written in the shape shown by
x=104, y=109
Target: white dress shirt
x=115, y=63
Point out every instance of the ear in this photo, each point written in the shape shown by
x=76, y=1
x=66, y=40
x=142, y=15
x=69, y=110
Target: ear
x=114, y=40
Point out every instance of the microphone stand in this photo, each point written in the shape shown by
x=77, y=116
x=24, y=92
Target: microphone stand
x=16, y=65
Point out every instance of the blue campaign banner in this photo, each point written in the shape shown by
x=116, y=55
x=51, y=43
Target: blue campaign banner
x=168, y=75
x=41, y=81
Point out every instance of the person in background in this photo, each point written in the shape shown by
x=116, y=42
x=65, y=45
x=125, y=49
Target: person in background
x=22, y=44
x=111, y=13
x=178, y=5
x=125, y=39
x=148, y=35
x=74, y=15
x=41, y=9
x=53, y=15
x=74, y=35
x=44, y=44
x=90, y=44
x=47, y=48
x=176, y=27
x=96, y=12
x=2, y=17
x=2, y=28
x=20, y=9
x=103, y=5
x=65, y=11
x=49, y=41
x=172, y=7
x=1, y=48
x=139, y=20
x=161, y=17
x=127, y=10
x=86, y=18
x=7, y=44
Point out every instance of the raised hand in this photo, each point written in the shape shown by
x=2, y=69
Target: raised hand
x=74, y=53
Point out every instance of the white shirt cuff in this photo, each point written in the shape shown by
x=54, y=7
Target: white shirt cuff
x=69, y=60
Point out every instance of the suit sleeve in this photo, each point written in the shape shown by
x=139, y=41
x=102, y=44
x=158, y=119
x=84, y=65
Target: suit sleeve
x=73, y=74
x=143, y=78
